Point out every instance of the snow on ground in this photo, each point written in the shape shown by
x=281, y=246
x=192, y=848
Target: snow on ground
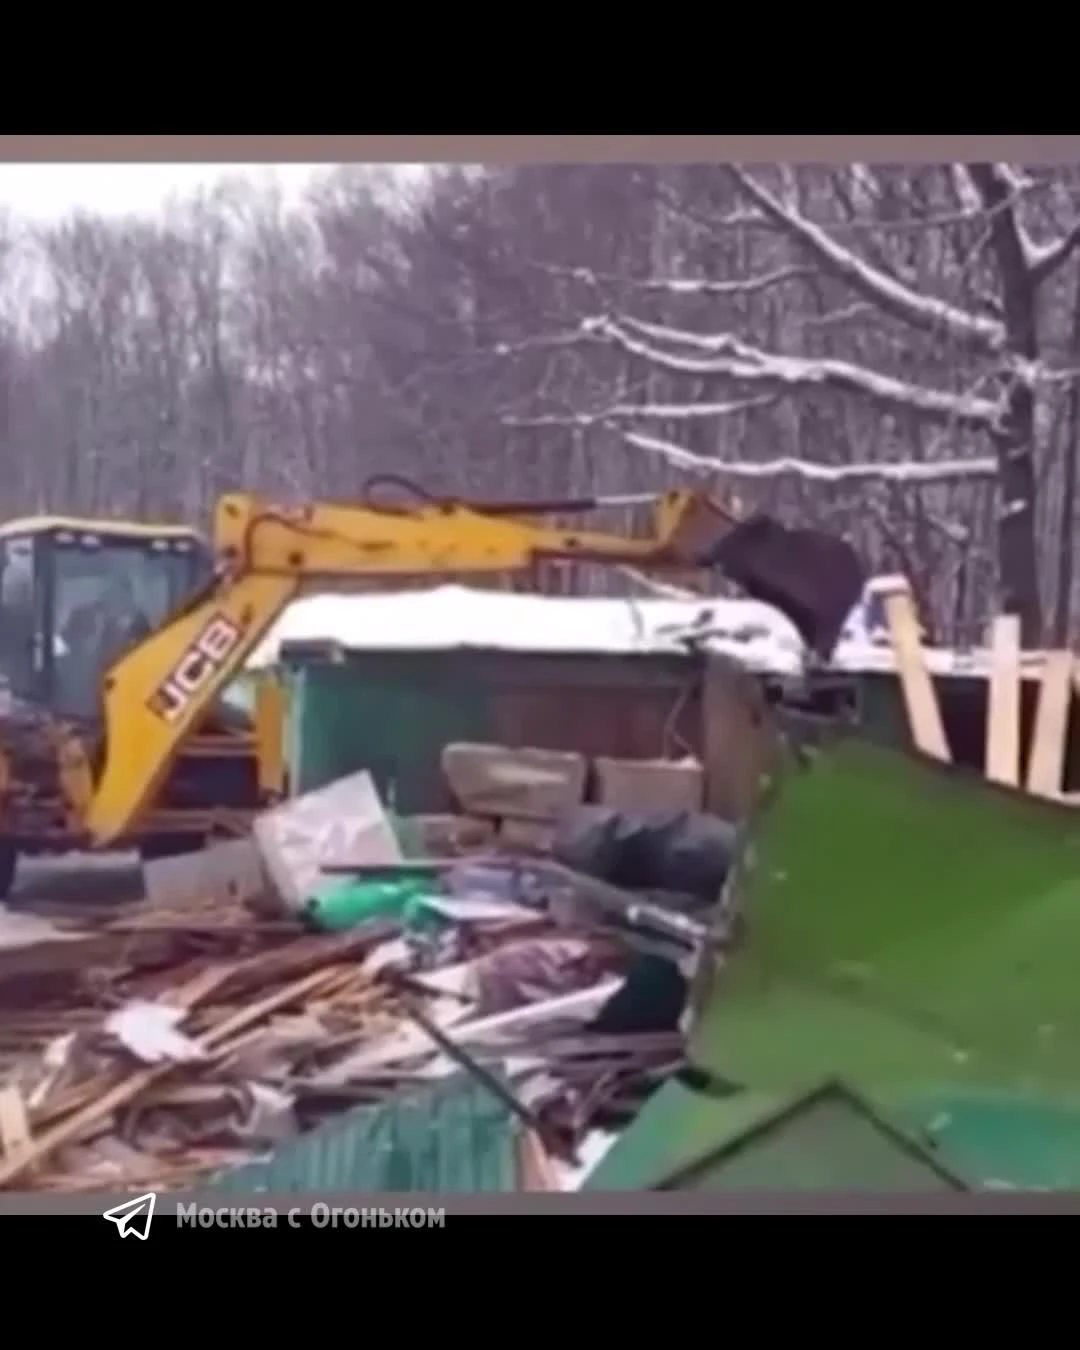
x=447, y=617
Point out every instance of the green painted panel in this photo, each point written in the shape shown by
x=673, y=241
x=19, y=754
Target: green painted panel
x=455, y=1137
x=1013, y=1140
x=905, y=924
x=825, y=1137
x=770, y=1032
x=389, y=717
x=674, y=1127
x=907, y=928
x=827, y=1145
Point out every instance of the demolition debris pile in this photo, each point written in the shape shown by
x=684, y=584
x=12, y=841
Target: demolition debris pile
x=536, y=943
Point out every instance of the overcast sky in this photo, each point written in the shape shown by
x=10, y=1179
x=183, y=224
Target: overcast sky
x=50, y=191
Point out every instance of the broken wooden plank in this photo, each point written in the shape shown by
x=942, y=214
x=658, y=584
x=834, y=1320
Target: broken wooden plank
x=1002, y=764
x=15, y=1135
x=920, y=697
x=311, y=952
x=1046, y=768
x=536, y=1170
x=100, y=1108
x=740, y=740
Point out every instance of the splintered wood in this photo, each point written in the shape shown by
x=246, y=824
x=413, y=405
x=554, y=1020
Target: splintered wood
x=178, y=1048
x=193, y=1033
x=65, y=1117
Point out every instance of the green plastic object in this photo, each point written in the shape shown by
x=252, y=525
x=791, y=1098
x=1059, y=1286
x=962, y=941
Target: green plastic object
x=346, y=904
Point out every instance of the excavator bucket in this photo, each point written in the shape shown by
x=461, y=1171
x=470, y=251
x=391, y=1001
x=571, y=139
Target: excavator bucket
x=814, y=578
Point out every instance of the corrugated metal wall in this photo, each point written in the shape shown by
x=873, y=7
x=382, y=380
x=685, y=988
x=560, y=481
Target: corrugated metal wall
x=453, y=1137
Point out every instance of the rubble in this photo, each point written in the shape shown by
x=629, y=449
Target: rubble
x=516, y=784
x=343, y=820
x=190, y=1033
x=653, y=785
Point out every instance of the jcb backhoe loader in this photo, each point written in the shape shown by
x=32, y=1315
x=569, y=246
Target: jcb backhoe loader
x=115, y=734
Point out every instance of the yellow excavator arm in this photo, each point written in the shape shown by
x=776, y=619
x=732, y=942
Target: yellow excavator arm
x=268, y=555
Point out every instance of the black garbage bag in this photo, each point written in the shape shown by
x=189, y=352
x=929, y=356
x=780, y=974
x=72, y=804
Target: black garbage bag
x=651, y=999
x=685, y=852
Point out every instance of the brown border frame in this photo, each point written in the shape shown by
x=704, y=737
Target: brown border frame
x=531, y=149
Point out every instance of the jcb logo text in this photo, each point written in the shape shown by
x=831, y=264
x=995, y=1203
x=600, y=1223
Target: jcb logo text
x=195, y=669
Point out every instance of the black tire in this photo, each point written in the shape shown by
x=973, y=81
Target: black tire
x=9, y=862
x=169, y=846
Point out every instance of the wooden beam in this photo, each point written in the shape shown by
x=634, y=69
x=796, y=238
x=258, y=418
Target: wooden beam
x=920, y=697
x=1046, y=767
x=1002, y=764
x=15, y=1136
x=740, y=742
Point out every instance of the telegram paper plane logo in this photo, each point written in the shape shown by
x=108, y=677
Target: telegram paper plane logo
x=133, y=1216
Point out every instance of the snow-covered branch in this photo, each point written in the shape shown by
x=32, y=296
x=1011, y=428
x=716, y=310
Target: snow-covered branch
x=910, y=472
x=535, y=343
x=999, y=188
x=850, y=314
x=722, y=354
x=624, y=412
x=681, y=285
x=966, y=192
x=1043, y=260
x=890, y=295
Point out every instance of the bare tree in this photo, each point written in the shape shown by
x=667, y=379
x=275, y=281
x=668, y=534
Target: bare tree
x=890, y=350
x=936, y=317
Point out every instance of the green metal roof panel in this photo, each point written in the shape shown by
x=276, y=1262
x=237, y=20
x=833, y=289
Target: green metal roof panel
x=828, y=1141
x=1002, y=1140
x=768, y=1032
x=673, y=1128
x=905, y=924
x=825, y=1137
x=454, y=1137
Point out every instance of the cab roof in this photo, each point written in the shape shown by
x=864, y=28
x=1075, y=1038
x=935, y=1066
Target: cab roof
x=117, y=529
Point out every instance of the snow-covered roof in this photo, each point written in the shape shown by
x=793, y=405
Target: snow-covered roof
x=448, y=617
x=451, y=617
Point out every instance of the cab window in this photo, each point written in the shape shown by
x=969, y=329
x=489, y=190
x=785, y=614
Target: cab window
x=19, y=633
x=108, y=596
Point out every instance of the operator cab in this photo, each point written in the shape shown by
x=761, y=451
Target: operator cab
x=75, y=594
